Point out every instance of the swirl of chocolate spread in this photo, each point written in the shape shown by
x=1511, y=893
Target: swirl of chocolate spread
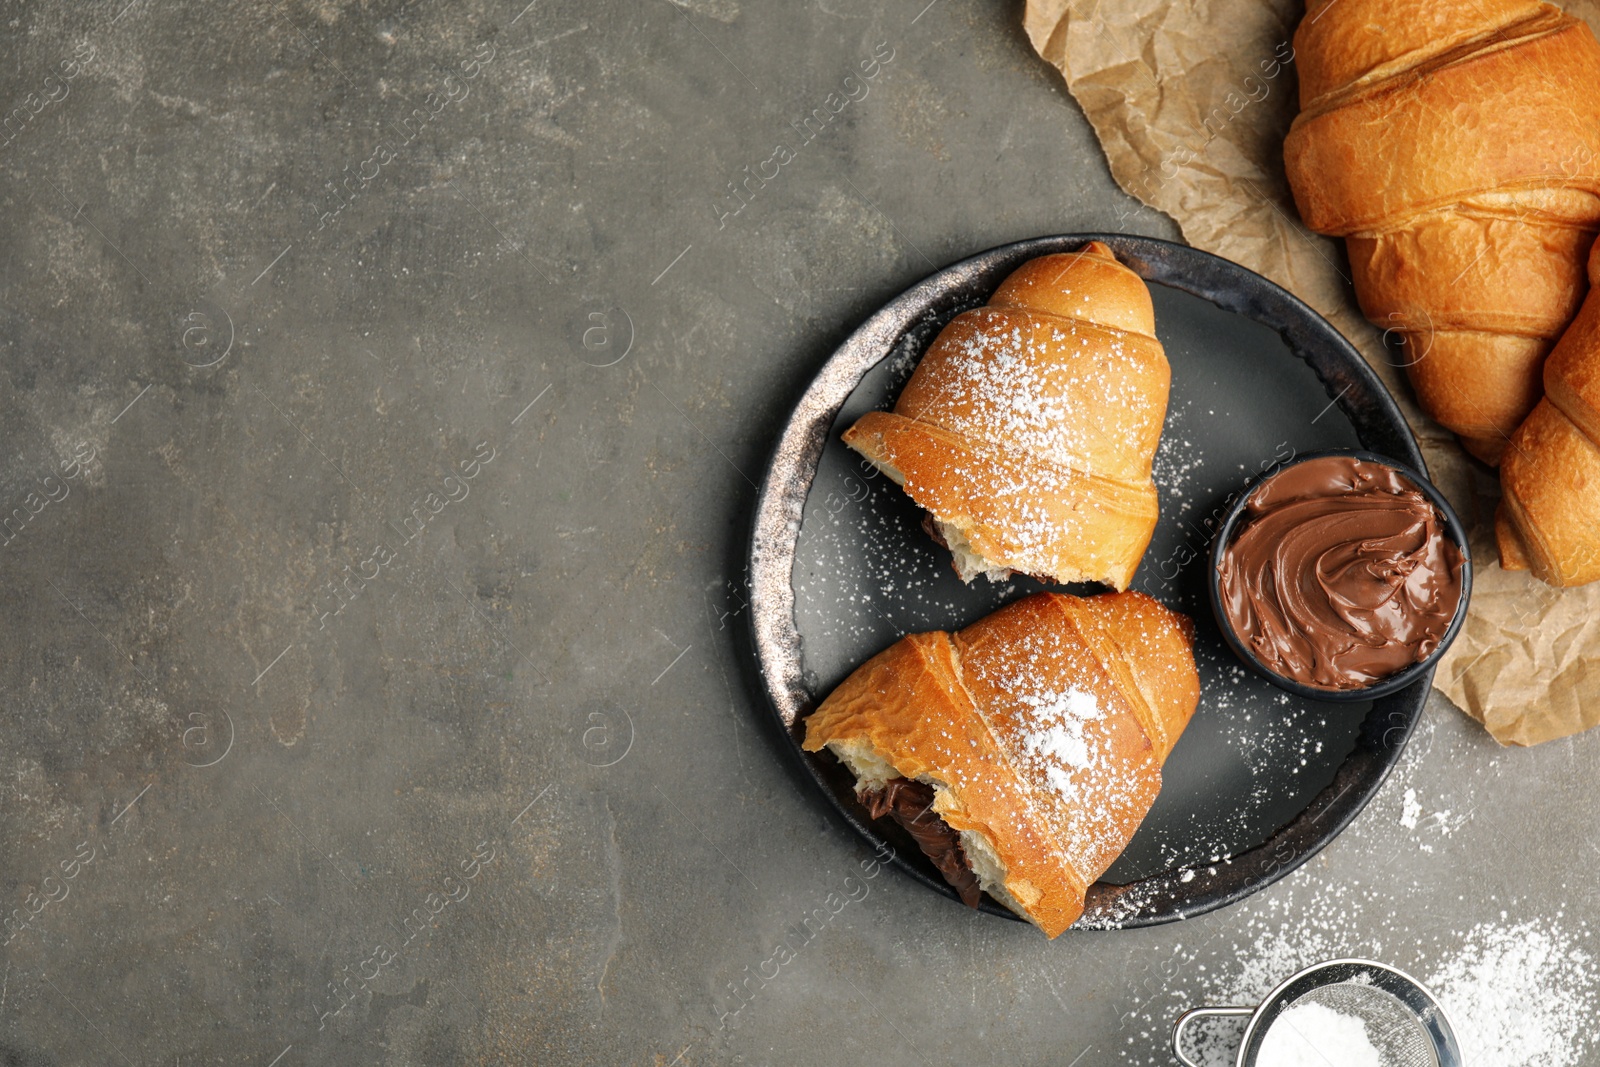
x=1342, y=573
x=911, y=805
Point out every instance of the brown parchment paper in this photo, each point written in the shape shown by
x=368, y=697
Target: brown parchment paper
x=1191, y=102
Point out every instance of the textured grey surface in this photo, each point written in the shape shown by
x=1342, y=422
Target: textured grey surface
x=304, y=765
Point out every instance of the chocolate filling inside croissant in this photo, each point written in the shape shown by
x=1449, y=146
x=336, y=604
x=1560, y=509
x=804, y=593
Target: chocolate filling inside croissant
x=930, y=526
x=911, y=805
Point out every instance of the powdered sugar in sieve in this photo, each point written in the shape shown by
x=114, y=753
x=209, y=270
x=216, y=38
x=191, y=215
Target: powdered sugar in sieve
x=1344, y=1013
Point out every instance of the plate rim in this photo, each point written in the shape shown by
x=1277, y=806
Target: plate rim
x=790, y=474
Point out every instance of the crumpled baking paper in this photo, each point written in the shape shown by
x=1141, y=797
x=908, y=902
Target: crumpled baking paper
x=1191, y=102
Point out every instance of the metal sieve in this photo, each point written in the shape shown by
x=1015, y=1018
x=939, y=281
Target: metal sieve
x=1404, y=1023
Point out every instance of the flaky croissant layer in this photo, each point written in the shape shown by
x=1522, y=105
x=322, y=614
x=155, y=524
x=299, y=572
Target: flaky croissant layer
x=1455, y=145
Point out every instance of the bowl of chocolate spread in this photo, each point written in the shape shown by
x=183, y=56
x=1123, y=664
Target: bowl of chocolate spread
x=1341, y=576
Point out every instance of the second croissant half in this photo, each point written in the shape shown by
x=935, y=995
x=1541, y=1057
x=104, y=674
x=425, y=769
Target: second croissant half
x=1022, y=752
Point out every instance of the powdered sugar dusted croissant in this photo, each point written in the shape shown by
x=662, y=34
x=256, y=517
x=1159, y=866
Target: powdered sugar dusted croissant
x=1029, y=426
x=1023, y=751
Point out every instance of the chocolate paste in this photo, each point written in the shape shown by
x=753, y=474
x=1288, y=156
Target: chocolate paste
x=911, y=805
x=1342, y=573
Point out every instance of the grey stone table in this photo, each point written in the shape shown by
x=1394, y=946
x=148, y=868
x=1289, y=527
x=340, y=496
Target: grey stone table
x=384, y=388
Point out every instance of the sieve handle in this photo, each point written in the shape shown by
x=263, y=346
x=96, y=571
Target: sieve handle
x=1199, y=1013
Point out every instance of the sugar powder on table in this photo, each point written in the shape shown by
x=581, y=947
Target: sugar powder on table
x=1520, y=995
x=1314, y=1035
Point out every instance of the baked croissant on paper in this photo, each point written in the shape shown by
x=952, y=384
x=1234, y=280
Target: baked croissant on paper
x=1549, y=518
x=1023, y=751
x=1029, y=426
x=1455, y=145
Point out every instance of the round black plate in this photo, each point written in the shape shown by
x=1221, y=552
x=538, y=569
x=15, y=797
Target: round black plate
x=840, y=569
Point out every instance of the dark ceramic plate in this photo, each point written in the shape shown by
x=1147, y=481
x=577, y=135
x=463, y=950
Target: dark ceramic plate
x=840, y=569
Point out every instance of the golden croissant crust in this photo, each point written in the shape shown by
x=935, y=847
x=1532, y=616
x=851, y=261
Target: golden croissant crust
x=1456, y=147
x=1549, y=518
x=1042, y=729
x=1029, y=427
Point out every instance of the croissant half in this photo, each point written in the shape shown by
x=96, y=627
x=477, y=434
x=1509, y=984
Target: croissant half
x=1029, y=427
x=1455, y=145
x=1549, y=517
x=1041, y=731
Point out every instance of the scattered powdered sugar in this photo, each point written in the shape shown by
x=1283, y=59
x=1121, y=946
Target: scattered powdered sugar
x=1130, y=902
x=1056, y=740
x=1439, y=823
x=1520, y=995
x=1314, y=1035
x=1411, y=810
x=1011, y=368
x=1517, y=976
x=903, y=359
x=1517, y=992
x=1176, y=462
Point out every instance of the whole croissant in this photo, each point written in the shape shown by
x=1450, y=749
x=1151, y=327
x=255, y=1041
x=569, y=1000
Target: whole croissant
x=1033, y=738
x=1455, y=144
x=1549, y=518
x=1029, y=427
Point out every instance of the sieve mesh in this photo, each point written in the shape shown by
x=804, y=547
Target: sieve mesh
x=1393, y=1029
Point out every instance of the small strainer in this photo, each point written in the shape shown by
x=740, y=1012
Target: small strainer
x=1404, y=1022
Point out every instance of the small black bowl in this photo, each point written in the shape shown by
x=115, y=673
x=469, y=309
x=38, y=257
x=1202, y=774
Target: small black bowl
x=1383, y=686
